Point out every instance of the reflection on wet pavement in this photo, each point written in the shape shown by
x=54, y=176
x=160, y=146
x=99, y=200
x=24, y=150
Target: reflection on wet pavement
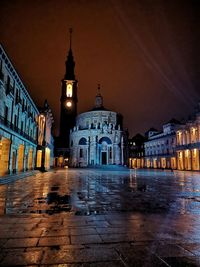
x=101, y=218
x=84, y=192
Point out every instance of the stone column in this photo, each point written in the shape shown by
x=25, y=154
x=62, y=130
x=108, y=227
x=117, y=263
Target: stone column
x=10, y=158
x=122, y=150
x=87, y=152
x=112, y=154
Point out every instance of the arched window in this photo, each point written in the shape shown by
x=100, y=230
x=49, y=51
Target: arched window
x=82, y=141
x=105, y=139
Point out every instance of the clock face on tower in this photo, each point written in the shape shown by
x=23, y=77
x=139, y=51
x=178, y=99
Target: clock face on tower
x=69, y=104
x=69, y=90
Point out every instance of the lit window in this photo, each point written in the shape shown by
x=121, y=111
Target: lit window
x=69, y=90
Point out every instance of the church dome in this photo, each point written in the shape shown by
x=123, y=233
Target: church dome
x=98, y=116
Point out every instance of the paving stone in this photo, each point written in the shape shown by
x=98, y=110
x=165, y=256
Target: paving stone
x=82, y=231
x=53, y=241
x=116, y=238
x=98, y=223
x=64, y=265
x=171, y=250
x=194, y=248
x=111, y=230
x=21, y=242
x=55, y=232
x=19, y=259
x=79, y=256
x=86, y=239
x=139, y=256
x=182, y=261
x=32, y=233
x=143, y=236
x=2, y=242
x=105, y=264
x=7, y=234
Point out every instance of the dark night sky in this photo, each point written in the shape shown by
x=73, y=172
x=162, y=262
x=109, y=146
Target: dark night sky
x=144, y=54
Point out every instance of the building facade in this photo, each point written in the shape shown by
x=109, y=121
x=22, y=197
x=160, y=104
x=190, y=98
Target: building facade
x=98, y=138
x=136, y=151
x=45, y=142
x=22, y=126
x=18, y=127
x=188, y=144
x=160, y=148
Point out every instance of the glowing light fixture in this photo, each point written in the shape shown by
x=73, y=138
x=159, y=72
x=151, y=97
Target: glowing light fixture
x=69, y=104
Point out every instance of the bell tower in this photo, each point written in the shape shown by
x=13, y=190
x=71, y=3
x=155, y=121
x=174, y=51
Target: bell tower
x=68, y=100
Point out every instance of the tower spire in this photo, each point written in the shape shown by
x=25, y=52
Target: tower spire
x=70, y=38
x=70, y=64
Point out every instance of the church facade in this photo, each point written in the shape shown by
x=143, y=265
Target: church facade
x=97, y=138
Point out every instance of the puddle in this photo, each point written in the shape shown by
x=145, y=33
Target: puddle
x=54, y=203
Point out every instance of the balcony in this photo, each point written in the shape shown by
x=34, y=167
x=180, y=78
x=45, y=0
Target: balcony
x=11, y=126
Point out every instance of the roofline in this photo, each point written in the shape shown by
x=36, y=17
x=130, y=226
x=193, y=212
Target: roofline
x=16, y=76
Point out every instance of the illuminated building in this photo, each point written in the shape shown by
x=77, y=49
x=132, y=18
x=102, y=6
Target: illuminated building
x=18, y=127
x=160, y=148
x=24, y=130
x=188, y=144
x=98, y=138
x=68, y=111
x=45, y=140
x=136, y=151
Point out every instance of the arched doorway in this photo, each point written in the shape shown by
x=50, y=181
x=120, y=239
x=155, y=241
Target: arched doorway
x=82, y=152
x=20, y=158
x=4, y=155
x=105, y=150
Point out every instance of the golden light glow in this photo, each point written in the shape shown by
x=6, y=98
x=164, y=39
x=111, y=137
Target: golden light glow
x=69, y=90
x=39, y=158
x=47, y=158
x=69, y=104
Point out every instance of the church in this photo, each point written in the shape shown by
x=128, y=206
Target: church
x=97, y=138
x=92, y=138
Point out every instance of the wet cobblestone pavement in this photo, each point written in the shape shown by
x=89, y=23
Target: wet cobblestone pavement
x=101, y=218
